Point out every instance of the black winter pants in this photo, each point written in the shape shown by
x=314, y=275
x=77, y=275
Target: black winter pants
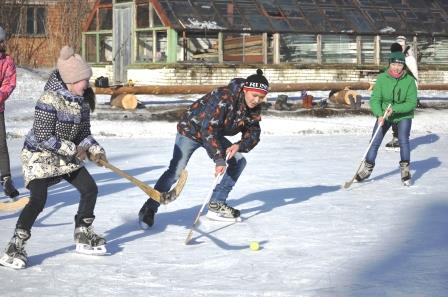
x=395, y=130
x=80, y=179
x=4, y=155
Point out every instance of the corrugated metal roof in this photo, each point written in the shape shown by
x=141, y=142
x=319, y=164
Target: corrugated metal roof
x=308, y=16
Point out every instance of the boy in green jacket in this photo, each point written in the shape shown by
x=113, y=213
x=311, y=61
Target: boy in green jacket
x=397, y=88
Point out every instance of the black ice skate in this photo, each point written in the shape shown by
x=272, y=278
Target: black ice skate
x=8, y=187
x=405, y=173
x=220, y=211
x=365, y=171
x=87, y=241
x=146, y=216
x=15, y=255
x=393, y=145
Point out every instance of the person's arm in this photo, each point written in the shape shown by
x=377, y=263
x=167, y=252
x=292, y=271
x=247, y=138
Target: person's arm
x=9, y=82
x=85, y=141
x=376, y=99
x=84, y=137
x=211, y=125
x=250, y=137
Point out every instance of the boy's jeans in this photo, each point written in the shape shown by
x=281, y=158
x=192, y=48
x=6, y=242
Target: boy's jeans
x=404, y=130
x=183, y=149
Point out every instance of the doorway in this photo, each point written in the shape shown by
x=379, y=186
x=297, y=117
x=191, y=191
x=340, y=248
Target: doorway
x=122, y=35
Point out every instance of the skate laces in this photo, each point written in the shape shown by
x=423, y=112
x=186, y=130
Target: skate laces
x=365, y=170
x=222, y=207
x=18, y=251
x=90, y=234
x=405, y=171
x=16, y=247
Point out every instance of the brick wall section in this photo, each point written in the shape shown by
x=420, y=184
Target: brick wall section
x=38, y=51
x=44, y=51
x=220, y=76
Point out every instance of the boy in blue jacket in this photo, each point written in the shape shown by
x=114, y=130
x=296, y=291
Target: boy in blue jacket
x=225, y=111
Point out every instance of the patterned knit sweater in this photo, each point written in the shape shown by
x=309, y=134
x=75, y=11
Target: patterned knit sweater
x=61, y=123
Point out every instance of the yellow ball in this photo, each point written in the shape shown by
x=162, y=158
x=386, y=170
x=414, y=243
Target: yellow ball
x=254, y=246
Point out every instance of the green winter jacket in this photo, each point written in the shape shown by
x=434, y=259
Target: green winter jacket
x=401, y=93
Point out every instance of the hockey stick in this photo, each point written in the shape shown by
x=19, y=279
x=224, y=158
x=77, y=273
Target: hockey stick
x=15, y=204
x=163, y=198
x=218, y=178
x=350, y=182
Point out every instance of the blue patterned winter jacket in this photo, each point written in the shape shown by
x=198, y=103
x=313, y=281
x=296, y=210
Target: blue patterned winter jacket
x=222, y=112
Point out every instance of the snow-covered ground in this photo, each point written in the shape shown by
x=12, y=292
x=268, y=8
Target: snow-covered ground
x=375, y=239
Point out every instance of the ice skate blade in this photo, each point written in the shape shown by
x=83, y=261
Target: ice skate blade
x=407, y=183
x=143, y=225
x=91, y=250
x=393, y=149
x=9, y=262
x=364, y=181
x=213, y=216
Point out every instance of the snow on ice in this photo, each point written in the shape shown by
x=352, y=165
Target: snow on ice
x=376, y=239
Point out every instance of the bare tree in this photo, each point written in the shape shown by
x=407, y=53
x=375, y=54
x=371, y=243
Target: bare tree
x=36, y=36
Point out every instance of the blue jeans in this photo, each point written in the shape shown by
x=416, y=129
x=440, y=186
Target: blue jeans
x=404, y=130
x=183, y=149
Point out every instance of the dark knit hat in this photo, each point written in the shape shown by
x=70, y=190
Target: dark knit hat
x=257, y=82
x=396, y=47
x=397, y=57
x=72, y=67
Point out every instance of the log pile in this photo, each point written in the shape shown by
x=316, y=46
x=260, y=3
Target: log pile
x=202, y=89
x=125, y=101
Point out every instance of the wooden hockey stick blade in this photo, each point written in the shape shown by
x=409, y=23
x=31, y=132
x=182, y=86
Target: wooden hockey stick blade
x=14, y=205
x=190, y=234
x=349, y=183
x=174, y=193
x=163, y=198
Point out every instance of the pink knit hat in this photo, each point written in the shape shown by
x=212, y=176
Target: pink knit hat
x=72, y=67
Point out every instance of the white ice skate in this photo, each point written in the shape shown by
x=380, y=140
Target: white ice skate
x=15, y=255
x=393, y=145
x=405, y=173
x=213, y=216
x=87, y=249
x=220, y=211
x=12, y=262
x=88, y=242
x=407, y=183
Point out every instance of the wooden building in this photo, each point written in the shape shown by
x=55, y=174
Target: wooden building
x=38, y=29
x=166, y=42
x=208, y=42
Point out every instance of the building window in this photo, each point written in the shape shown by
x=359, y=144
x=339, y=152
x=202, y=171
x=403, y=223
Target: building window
x=298, y=48
x=28, y=20
x=151, y=35
x=339, y=49
x=198, y=48
x=145, y=46
x=98, y=48
x=98, y=38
